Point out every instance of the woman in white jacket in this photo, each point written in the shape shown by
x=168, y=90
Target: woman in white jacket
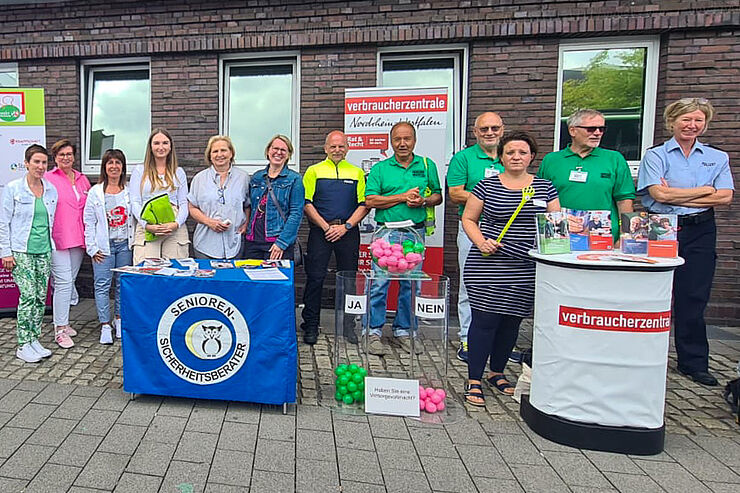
x=109, y=236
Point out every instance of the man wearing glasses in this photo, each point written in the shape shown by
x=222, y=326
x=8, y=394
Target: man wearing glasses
x=586, y=176
x=466, y=169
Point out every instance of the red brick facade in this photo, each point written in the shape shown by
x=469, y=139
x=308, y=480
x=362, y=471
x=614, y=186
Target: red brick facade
x=512, y=50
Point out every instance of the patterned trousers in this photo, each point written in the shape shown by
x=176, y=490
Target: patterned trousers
x=31, y=274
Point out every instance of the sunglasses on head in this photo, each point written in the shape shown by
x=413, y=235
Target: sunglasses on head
x=591, y=130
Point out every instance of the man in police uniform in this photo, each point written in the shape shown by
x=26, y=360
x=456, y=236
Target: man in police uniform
x=335, y=204
x=586, y=176
x=395, y=188
x=466, y=169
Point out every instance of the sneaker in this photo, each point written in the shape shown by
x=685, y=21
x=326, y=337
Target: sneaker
x=69, y=331
x=106, y=334
x=515, y=357
x=376, y=346
x=462, y=352
x=404, y=342
x=117, y=324
x=27, y=353
x=64, y=341
x=40, y=350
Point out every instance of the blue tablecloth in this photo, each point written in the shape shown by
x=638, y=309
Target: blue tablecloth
x=225, y=337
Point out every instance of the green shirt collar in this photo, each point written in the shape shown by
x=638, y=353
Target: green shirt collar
x=596, y=152
x=394, y=161
x=481, y=154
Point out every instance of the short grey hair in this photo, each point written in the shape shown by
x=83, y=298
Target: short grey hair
x=576, y=118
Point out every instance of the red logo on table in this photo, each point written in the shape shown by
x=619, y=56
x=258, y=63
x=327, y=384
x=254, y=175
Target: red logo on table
x=621, y=321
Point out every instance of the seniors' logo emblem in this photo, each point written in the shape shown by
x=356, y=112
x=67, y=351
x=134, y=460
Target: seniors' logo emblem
x=203, y=350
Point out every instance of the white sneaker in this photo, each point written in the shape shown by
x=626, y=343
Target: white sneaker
x=117, y=323
x=27, y=353
x=41, y=350
x=106, y=334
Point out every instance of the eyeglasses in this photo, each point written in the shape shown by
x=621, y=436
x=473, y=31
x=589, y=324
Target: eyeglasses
x=278, y=150
x=693, y=101
x=66, y=154
x=591, y=130
x=494, y=129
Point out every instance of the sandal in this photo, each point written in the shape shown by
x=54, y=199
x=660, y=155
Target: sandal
x=500, y=383
x=469, y=388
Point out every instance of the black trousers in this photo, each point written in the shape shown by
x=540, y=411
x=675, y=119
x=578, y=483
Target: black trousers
x=261, y=250
x=318, y=253
x=491, y=336
x=692, y=283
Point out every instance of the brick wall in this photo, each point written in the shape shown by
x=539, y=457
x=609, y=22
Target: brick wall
x=513, y=47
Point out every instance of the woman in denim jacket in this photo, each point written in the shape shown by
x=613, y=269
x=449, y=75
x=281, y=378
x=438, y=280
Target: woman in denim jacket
x=272, y=228
x=26, y=217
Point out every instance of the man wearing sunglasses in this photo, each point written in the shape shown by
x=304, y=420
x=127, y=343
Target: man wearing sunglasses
x=466, y=169
x=586, y=176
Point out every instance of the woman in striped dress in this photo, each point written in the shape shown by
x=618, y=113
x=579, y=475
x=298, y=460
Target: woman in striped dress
x=500, y=276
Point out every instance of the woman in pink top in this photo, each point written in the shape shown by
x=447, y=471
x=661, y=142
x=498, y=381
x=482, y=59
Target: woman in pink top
x=69, y=236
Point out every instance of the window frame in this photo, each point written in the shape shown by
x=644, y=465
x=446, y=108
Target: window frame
x=652, y=45
x=261, y=59
x=87, y=70
x=8, y=67
x=459, y=54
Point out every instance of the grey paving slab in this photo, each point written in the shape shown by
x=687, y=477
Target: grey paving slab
x=6, y=386
x=15, y=400
x=353, y=435
x=314, y=444
x=176, y=406
x=484, y=462
x=205, y=419
x=721, y=487
x=608, y=461
x=151, y=458
x=238, y=436
x=388, y=427
x=358, y=465
x=401, y=481
x=97, y=422
x=231, y=468
x=534, y=478
x=672, y=477
x=76, y=449
x=315, y=475
x=88, y=391
x=52, y=432
x=102, y=471
x=74, y=407
x=80, y=489
x=447, y=474
x=122, y=439
x=26, y=461
x=11, y=484
x=32, y=415
x=5, y=417
x=53, y=478
x=576, y=469
x=275, y=456
x=114, y=400
x=357, y=487
x=506, y=427
x=543, y=444
x=432, y=441
x=243, y=412
x=165, y=429
x=630, y=483
x=12, y=438
x=274, y=426
x=185, y=473
x=225, y=488
x=141, y=411
x=137, y=483
x=490, y=485
x=196, y=447
x=54, y=393
x=517, y=449
x=274, y=482
x=704, y=466
x=397, y=454
x=313, y=418
x=467, y=431
x=31, y=386
x=589, y=489
x=725, y=450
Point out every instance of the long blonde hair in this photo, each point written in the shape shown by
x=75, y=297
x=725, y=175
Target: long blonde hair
x=150, y=166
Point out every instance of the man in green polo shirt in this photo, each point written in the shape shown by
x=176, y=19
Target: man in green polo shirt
x=586, y=176
x=466, y=169
x=395, y=188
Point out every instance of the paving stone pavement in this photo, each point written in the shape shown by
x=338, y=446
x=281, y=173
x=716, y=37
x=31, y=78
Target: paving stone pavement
x=66, y=425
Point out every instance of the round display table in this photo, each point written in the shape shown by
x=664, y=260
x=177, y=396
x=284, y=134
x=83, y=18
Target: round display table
x=600, y=352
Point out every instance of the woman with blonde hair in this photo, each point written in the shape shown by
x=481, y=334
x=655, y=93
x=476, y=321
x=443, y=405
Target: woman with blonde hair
x=160, y=175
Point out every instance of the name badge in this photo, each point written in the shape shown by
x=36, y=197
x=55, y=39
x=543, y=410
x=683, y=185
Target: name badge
x=491, y=172
x=578, y=176
x=539, y=203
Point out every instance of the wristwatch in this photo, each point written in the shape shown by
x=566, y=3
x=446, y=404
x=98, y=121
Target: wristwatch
x=348, y=225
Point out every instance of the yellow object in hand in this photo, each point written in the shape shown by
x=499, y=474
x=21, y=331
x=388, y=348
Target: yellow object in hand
x=527, y=194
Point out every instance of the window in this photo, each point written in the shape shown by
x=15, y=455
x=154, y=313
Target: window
x=8, y=75
x=617, y=77
x=260, y=99
x=430, y=66
x=116, y=111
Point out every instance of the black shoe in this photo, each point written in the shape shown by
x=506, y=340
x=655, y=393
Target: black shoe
x=310, y=337
x=702, y=377
x=350, y=336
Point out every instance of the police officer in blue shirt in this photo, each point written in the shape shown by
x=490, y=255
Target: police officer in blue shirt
x=686, y=177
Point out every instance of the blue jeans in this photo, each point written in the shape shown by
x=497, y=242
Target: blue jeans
x=120, y=255
x=403, y=323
